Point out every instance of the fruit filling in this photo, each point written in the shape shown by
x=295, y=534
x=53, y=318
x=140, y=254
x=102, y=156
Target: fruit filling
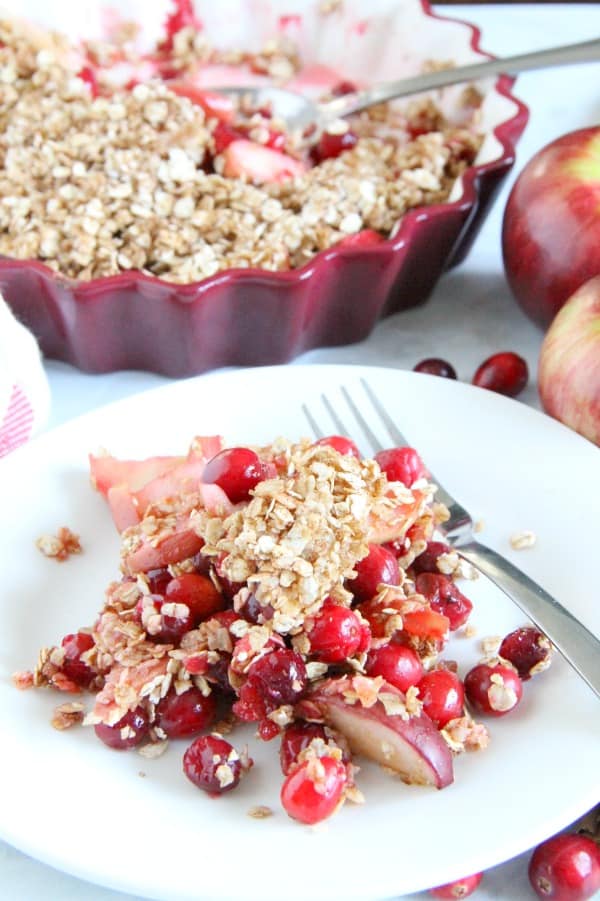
x=299, y=587
x=142, y=164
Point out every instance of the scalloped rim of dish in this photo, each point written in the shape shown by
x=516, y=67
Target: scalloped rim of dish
x=507, y=133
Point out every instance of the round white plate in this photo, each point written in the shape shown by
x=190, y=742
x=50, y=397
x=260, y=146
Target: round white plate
x=138, y=825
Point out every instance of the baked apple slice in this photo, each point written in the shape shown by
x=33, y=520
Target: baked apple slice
x=380, y=722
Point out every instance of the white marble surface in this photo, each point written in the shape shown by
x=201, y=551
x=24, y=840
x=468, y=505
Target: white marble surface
x=470, y=316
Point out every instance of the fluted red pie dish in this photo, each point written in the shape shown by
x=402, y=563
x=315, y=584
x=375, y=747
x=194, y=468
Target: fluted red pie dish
x=252, y=316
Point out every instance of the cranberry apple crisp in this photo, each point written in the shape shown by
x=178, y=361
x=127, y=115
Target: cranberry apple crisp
x=113, y=159
x=296, y=586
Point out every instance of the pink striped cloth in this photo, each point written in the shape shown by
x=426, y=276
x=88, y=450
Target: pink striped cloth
x=24, y=395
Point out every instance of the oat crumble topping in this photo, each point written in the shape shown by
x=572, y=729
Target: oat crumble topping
x=59, y=546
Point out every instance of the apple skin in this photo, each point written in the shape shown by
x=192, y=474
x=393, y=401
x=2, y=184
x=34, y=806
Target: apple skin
x=569, y=364
x=551, y=225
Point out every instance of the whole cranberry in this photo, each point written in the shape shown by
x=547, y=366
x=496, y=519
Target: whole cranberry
x=212, y=764
x=427, y=561
x=379, y=567
x=397, y=664
x=460, y=888
x=73, y=667
x=335, y=633
x=127, y=733
x=312, y=791
x=401, y=464
x=237, y=470
x=493, y=688
x=565, y=868
x=444, y=597
x=528, y=650
x=436, y=366
x=280, y=676
x=342, y=445
x=184, y=715
x=295, y=739
x=198, y=593
x=506, y=373
x=443, y=696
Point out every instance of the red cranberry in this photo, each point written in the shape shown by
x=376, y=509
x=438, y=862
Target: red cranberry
x=295, y=739
x=443, y=696
x=460, y=888
x=175, y=621
x=330, y=146
x=565, y=868
x=335, y=633
x=444, y=597
x=343, y=87
x=275, y=679
x=436, y=366
x=379, y=567
x=237, y=470
x=197, y=592
x=224, y=135
x=158, y=579
x=181, y=17
x=401, y=464
x=495, y=689
x=253, y=611
x=212, y=764
x=203, y=564
x=181, y=716
x=73, y=667
x=342, y=445
x=505, y=373
x=276, y=140
x=528, y=650
x=88, y=75
x=313, y=790
x=128, y=732
x=399, y=665
x=427, y=561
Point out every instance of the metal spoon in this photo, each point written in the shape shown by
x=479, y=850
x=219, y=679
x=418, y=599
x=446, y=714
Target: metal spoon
x=299, y=111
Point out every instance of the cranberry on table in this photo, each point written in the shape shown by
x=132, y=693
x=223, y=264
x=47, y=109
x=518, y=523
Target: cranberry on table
x=198, y=592
x=495, y=689
x=379, y=567
x=565, y=868
x=295, y=739
x=460, y=888
x=397, y=664
x=335, y=633
x=528, y=650
x=506, y=373
x=401, y=464
x=212, y=764
x=127, y=733
x=341, y=444
x=237, y=470
x=436, y=366
x=187, y=714
x=443, y=696
x=445, y=597
x=313, y=790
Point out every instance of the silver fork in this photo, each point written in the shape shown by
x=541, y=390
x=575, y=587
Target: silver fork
x=569, y=636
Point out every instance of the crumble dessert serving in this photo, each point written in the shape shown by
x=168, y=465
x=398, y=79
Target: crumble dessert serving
x=113, y=159
x=296, y=586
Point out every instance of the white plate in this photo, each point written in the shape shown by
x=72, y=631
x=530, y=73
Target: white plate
x=73, y=803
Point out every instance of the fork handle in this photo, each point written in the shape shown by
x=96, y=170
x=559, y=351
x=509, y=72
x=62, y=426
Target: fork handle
x=570, y=637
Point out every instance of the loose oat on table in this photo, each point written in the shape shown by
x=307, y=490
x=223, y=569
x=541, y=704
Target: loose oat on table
x=119, y=182
x=521, y=540
x=59, y=546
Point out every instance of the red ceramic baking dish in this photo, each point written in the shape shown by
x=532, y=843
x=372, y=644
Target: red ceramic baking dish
x=250, y=316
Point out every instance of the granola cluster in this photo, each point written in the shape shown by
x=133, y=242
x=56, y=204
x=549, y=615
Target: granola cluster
x=134, y=179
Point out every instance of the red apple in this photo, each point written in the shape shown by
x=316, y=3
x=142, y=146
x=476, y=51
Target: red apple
x=551, y=228
x=569, y=366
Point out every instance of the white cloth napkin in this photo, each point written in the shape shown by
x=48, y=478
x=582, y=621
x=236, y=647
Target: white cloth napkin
x=24, y=391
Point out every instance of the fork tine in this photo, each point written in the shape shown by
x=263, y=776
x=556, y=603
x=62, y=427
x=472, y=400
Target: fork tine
x=334, y=415
x=370, y=435
x=395, y=433
x=312, y=422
